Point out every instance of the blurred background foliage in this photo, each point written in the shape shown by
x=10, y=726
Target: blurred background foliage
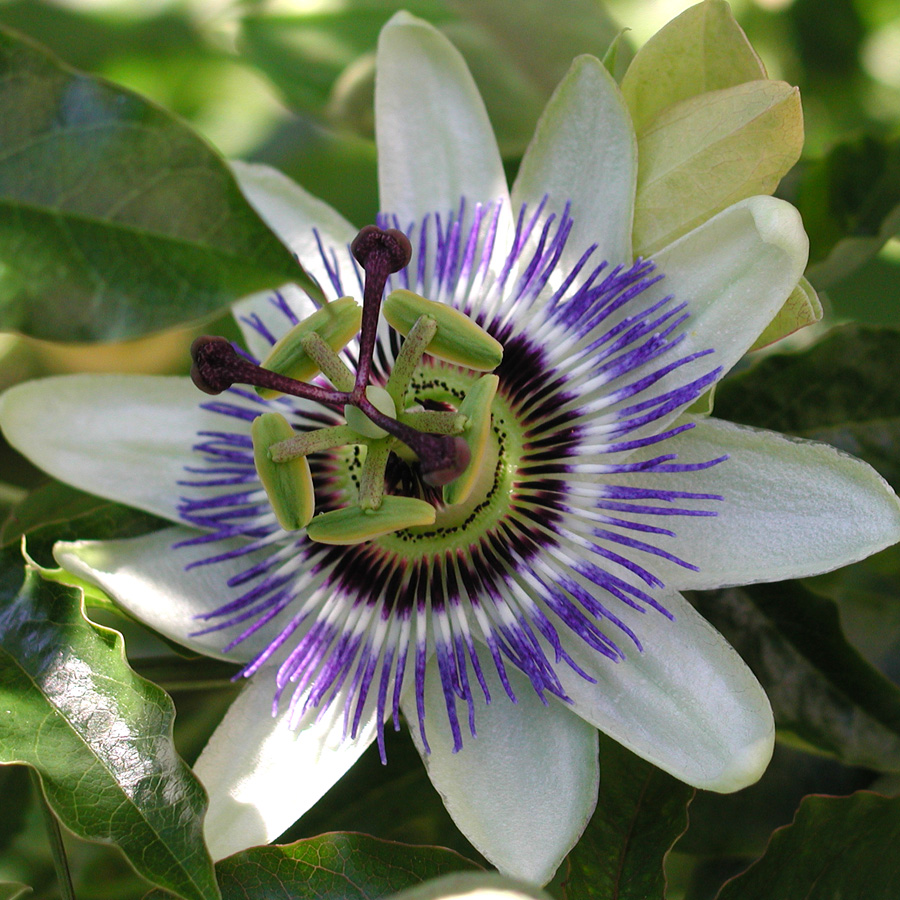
x=289, y=82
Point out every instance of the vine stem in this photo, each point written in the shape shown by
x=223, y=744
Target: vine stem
x=55, y=839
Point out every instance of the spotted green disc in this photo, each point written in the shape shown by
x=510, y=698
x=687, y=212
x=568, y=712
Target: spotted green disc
x=476, y=406
x=352, y=525
x=289, y=484
x=335, y=323
x=457, y=340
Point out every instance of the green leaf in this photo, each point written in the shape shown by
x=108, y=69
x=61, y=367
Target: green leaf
x=15, y=789
x=836, y=847
x=703, y=49
x=99, y=737
x=13, y=890
x=850, y=203
x=331, y=867
x=323, y=60
x=57, y=512
x=641, y=812
x=823, y=693
x=843, y=390
x=115, y=218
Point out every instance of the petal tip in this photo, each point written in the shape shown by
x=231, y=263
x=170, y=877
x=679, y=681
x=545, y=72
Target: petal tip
x=746, y=766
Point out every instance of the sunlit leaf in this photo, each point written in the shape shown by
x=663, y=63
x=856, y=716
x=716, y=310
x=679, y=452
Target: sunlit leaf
x=823, y=693
x=836, y=847
x=322, y=59
x=115, y=218
x=99, y=737
x=641, y=812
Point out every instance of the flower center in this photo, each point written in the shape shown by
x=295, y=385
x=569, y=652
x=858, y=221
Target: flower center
x=442, y=430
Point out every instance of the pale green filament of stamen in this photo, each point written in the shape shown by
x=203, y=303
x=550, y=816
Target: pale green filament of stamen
x=419, y=337
x=331, y=365
x=318, y=441
x=436, y=421
x=371, y=485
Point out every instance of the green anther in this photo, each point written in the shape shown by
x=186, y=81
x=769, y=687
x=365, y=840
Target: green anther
x=335, y=323
x=476, y=406
x=288, y=485
x=329, y=363
x=305, y=442
x=371, y=483
x=458, y=339
x=409, y=357
x=361, y=423
x=352, y=525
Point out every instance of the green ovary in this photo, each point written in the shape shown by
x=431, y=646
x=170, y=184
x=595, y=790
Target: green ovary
x=459, y=526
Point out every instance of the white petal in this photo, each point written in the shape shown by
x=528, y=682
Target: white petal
x=294, y=215
x=147, y=577
x=435, y=142
x=735, y=272
x=123, y=437
x=791, y=508
x=584, y=151
x=472, y=886
x=688, y=703
x=523, y=790
x=261, y=775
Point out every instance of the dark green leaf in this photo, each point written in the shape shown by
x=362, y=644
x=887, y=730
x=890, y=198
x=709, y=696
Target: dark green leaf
x=99, y=737
x=12, y=890
x=850, y=203
x=56, y=512
x=331, y=867
x=395, y=802
x=115, y=218
x=305, y=53
x=641, y=812
x=822, y=691
x=323, y=61
x=837, y=847
x=15, y=789
x=843, y=390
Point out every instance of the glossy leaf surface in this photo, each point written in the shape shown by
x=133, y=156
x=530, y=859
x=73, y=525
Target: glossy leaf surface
x=836, y=847
x=99, y=736
x=641, y=812
x=115, y=218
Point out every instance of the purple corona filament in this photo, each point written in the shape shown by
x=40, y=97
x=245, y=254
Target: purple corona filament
x=592, y=374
